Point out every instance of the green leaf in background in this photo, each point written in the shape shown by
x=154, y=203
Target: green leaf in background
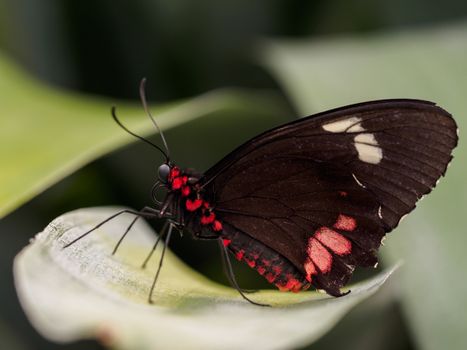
x=431, y=65
x=46, y=133
x=85, y=292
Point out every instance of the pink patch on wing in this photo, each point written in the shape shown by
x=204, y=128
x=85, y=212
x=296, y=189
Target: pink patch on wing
x=333, y=240
x=319, y=255
x=345, y=223
x=226, y=242
x=310, y=269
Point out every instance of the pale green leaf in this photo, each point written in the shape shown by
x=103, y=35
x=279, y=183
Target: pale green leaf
x=85, y=292
x=425, y=64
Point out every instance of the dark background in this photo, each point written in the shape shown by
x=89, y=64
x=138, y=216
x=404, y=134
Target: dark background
x=184, y=48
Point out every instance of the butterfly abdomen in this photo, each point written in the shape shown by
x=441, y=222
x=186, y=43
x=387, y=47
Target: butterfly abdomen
x=275, y=268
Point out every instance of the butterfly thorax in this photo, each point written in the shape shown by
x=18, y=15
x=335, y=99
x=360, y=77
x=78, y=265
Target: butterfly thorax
x=190, y=205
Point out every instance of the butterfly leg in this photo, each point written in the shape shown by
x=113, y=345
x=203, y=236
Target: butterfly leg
x=151, y=214
x=161, y=260
x=162, y=233
x=145, y=210
x=231, y=275
x=226, y=273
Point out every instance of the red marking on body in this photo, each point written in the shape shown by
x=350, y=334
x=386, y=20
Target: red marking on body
x=177, y=183
x=334, y=241
x=343, y=193
x=226, y=242
x=184, y=179
x=174, y=172
x=319, y=255
x=345, y=223
x=310, y=269
x=217, y=226
x=185, y=191
x=208, y=219
x=206, y=204
x=192, y=205
x=240, y=254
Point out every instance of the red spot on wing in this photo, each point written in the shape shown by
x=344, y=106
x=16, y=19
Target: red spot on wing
x=261, y=270
x=319, y=255
x=343, y=193
x=310, y=269
x=345, y=223
x=226, y=242
x=333, y=240
x=192, y=205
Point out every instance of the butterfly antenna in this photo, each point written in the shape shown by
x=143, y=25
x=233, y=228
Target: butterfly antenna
x=142, y=94
x=114, y=115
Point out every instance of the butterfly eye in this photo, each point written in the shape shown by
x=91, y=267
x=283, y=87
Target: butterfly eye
x=164, y=171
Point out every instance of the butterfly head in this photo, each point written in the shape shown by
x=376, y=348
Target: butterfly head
x=163, y=172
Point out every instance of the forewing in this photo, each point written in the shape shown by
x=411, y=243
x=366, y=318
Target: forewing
x=322, y=191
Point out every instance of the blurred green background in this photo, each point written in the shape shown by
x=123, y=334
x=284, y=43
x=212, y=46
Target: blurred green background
x=255, y=65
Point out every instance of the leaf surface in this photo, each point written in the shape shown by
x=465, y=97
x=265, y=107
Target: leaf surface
x=85, y=292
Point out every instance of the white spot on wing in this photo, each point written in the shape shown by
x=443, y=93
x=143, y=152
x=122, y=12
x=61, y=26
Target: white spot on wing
x=380, y=214
x=369, y=153
x=368, y=148
x=365, y=143
x=366, y=138
x=345, y=125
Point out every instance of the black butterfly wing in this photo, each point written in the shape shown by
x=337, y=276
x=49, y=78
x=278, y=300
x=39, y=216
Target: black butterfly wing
x=322, y=191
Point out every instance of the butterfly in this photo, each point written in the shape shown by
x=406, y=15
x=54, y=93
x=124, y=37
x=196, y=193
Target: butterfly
x=307, y=202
